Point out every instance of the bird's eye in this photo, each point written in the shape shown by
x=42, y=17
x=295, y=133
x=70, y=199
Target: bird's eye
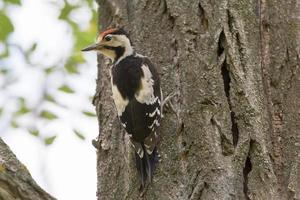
x=108, y=38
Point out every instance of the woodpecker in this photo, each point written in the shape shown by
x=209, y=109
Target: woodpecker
x=137, y=96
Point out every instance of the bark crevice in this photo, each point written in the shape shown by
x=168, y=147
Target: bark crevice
x=221, y=44
x=198, y=191
x=247, y=169
x=226, y=83
x=230, y=21
x=226, y=144
x=203, y=17
x=211, y=54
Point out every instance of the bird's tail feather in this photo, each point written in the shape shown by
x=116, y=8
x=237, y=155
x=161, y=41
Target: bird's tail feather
x=146, y=165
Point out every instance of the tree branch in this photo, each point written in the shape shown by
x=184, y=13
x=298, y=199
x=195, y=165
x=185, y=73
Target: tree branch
x=15, y=180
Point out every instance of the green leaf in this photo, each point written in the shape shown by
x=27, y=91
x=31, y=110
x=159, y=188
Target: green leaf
x=79, y=134
x=73, y=61
x=34, y=132
x=1, y=111
x=5, y=53
x=49, y=70
x=21, y=100
x=67, y=9
x=48, y=115
x=90, y=3
x=23, y=109
x=66, y=89
x=14, y=124
x=76, y=58
x=83, y=39
x=6, y=26
x=90, y=114
x=50, y=98
x=71, y=67
x=29, y=51
x=33, y=47
x=17, y=2
x=4, y=71
x=49, y=140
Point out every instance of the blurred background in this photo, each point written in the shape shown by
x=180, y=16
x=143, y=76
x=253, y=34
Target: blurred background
x=46, y=90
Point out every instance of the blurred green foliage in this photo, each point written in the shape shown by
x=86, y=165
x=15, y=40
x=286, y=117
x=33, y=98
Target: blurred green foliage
x=81, y=38
x=6, y=26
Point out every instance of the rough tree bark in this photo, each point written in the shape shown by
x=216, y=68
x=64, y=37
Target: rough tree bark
x=16, y=182
x=234, y=131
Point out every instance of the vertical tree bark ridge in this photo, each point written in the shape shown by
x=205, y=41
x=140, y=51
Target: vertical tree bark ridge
x=280, y=32
x=216, y=139
x=243, y=37
x=15, y=181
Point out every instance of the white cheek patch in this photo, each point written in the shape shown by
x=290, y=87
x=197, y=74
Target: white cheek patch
x=114, y=43
x=146, y=93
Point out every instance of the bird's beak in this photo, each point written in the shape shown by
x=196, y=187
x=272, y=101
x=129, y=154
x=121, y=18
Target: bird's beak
x=92, y=47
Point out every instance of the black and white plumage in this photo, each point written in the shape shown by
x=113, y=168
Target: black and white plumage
x=137, y=96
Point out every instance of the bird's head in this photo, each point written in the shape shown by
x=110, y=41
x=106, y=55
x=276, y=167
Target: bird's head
x=113, y=43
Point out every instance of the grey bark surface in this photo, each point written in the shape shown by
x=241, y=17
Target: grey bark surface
x=16, y=182
x=233, y=130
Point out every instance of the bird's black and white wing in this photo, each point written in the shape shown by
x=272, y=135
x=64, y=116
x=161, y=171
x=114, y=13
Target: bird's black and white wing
x=149, y=95
x=140, y=112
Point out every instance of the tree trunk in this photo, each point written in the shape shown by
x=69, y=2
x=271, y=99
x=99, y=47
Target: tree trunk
x=15, y=181
x=233, y=130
